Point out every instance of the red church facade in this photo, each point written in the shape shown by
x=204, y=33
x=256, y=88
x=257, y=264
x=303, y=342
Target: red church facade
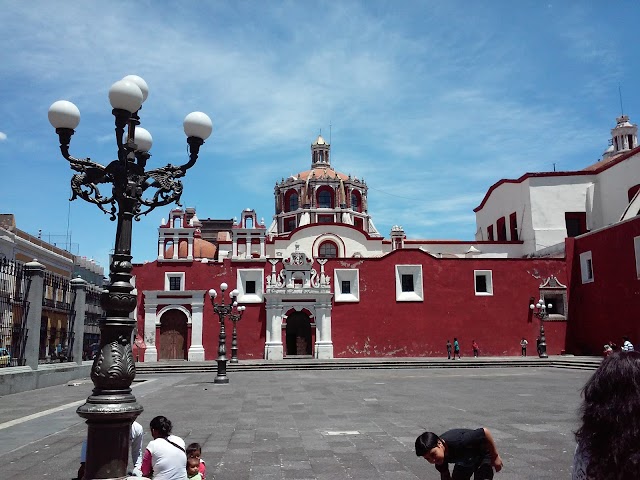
x=322, y=282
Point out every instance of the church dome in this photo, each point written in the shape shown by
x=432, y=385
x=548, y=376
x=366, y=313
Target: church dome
x=201, y=249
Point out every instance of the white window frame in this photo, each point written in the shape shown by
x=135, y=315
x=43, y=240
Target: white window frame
x=250, y=274
x=636, y=248
x=585, y=258
x=418, y=292
x=350, y=275
x=488, y=274
x=168, y=275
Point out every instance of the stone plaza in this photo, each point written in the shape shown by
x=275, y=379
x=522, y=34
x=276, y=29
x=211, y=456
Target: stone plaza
x=330, y=424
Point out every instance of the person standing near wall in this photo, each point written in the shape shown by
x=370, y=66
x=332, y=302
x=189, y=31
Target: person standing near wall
x=523, y=347
x=456, y=348
x=476, y=348
x=449, y=350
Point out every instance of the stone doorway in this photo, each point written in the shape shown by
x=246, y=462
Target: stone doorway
x=298, y=334
x=173, y=335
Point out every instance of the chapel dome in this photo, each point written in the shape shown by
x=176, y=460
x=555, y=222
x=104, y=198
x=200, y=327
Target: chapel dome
x=201, y=249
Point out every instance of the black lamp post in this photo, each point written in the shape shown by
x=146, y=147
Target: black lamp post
x=235, y=318
x=111, y=409
x=223, y=310
x=540, y=311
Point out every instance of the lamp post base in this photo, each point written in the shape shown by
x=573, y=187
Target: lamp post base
x=221, y=376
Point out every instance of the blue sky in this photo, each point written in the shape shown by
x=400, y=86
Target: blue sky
x=429, y=102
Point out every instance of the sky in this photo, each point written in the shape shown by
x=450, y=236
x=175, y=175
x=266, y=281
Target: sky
x=430, y=102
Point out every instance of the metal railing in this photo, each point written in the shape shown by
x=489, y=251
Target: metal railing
x=14, y=307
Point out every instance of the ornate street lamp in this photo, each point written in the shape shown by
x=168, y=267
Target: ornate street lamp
x=235, y=318
x=111, y=408
x=540, y=311
x=222, y=311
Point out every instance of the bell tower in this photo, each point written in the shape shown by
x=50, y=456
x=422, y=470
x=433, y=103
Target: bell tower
x=624, y=134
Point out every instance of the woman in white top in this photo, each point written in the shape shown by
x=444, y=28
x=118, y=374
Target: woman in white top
x=609, y=437
x=165, y=457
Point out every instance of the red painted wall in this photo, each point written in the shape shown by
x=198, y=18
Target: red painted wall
x=378, y=325
x=607, y=308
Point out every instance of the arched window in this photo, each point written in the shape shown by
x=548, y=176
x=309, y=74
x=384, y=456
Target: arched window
x=293, y=202
x=177, y=222
x=355, y=201
x=324, y=199
x=328, y=250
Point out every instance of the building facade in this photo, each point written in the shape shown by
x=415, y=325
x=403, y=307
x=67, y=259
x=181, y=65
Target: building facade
x=321, y=281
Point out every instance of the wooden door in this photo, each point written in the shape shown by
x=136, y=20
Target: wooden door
x=173, y=334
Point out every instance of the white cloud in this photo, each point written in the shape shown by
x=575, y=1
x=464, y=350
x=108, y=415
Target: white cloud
x=3, y=136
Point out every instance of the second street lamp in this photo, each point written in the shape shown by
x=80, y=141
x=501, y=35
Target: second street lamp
x=540, y=311
x=235, y=318
x=223, y=310
x=111, y=408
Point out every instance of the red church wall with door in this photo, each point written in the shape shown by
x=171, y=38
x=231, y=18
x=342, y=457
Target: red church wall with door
x=378, y=325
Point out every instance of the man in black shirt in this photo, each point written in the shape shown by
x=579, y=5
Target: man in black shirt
x=471, y=452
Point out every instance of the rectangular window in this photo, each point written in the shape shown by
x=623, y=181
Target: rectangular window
x=407, y=283
x=175, y=283
x=513, y=224
x=576, y=223
x=409, y=286
x=586, y=267
x=483, y=282
x=289, y=224
x=556, y=300
x=346, y=281
x=490, y=233
x=501, y=229
x=250, y=286
x=325, y=218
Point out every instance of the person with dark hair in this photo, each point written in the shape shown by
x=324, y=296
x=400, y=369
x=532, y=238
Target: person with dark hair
x=165, y=456
x=456, y=348
x=609, y=437
x=194, y=451
x=473, y=452
x=449, y=350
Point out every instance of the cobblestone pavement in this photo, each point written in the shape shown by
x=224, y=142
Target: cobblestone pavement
x=338, y=424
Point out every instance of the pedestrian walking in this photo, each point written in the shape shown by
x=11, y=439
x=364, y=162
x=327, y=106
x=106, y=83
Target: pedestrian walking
x=456, y=348
x=538, y=345
x=476, y=348
x=523, y=347
x=473, y=452
x=448, y=350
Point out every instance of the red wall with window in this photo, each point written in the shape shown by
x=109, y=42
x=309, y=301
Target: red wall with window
x=378, y=325
x=607, y=308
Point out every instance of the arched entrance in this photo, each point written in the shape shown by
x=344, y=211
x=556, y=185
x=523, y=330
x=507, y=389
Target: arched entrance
x=173, y=335
x=298, y=334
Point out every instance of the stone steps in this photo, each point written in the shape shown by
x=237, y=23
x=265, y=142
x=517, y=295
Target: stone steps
x=568, y=362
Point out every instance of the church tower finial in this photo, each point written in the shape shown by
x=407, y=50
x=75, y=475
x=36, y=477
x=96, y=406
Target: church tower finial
x=320, y=153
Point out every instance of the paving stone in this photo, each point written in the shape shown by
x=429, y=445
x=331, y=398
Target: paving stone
x=321, y=425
